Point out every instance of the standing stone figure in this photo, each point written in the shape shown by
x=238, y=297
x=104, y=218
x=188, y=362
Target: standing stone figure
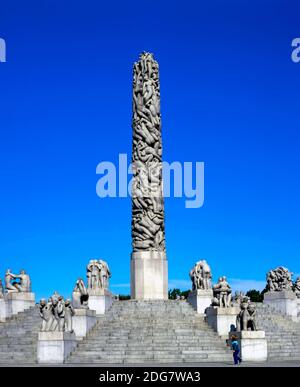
x=56, y=314
x=61, y=311
x=201, y=276
x=279, y=279
x=80, y=295
x=222, y=293
x=98, y=274
x=46, y=313
x=246, y=319
x=69, y=313
x=148, y=231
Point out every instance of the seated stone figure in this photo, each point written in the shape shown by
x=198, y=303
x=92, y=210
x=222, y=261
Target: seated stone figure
x=246, y=319
x=23, y=283
x=222, y=293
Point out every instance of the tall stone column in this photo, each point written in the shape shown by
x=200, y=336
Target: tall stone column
x=149, y=269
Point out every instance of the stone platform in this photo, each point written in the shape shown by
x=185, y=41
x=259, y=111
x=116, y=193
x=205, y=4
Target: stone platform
x=100, y=300
x=222, y=320
x=54, y=347
x=149, y=275
x=200, y=299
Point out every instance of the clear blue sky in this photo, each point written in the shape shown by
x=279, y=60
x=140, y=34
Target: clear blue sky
x=229, y=95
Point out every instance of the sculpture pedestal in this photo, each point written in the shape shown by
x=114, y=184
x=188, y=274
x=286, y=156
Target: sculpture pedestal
x=100, y=300
x=83, y=321
x=3, y=310
x=284, y=302
x=200, y=299
x=54, y=347
x=222, y=319
x=253, y=345
x=18, y=302
x=149, y=275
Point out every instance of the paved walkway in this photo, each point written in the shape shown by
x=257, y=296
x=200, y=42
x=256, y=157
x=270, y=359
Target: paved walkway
x=166, y=365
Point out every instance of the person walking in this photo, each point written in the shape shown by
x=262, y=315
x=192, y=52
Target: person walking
x=236, y=350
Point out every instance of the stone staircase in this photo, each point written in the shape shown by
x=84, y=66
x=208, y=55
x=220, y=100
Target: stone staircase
x=151, y=332
x=282, y=334
x=18, y=338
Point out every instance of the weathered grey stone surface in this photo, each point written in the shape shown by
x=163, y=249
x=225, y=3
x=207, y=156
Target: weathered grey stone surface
x=17, y=302
x=83, y=322
x=145, y=332
x=54, y=347
x=148, y=260
x=222, y=320
x=253, y=345
x=282, y=334
x=149, y=275
x=101, y=301
x=284, y=302
x=3, y=310
x=18, y=338
x=200, y=299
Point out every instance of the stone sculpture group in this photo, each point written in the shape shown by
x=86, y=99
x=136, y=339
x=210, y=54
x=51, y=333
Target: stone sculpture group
x=56, y=314
x=98, y=275
x=17, y=282
x=222, y=293
x=279, y=279
x=147, y=199
x=200, y=276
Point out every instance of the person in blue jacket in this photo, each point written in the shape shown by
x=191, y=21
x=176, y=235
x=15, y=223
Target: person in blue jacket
x=236, y=350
